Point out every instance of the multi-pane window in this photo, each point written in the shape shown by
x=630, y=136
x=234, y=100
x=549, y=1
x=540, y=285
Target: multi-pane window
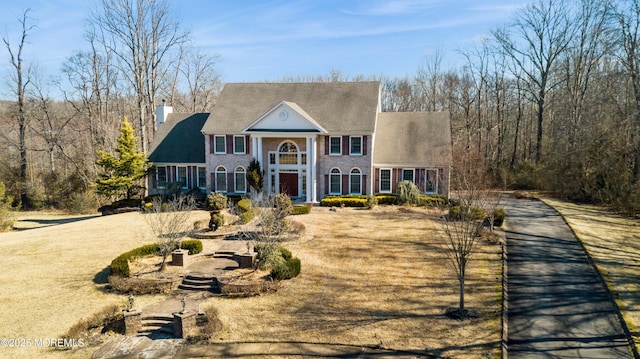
x=202, y=177
x=181, y=176
x=238, y=145
x=355, y=181
x=240, y=180
x=385, y=180
x=335, y=181
x=431, y=183
x=355, y=145
x=221, y=179
x=407, y=174
x=161, y=177
x=220, y=144
x=335, y=145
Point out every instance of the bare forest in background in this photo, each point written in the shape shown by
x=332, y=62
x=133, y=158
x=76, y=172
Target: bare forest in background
x=549, y=101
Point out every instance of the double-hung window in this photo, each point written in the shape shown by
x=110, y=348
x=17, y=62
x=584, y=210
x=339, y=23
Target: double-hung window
x=161, y=177
x=221, y=179
x=240, y=180
x=355, y=181
x=182, y=176
x=238, y=145
x=335, y=181
x=335, y=145
x=385, y=180
x=407, y=174
x=220, y=144
x=355, y=145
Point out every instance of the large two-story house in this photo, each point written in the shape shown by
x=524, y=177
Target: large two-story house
x=311, y=139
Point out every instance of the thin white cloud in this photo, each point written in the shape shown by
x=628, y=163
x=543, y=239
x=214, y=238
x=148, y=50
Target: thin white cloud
x=396, y=7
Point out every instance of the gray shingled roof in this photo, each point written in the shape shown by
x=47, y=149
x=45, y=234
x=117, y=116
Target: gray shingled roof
x=179, y=139
x=339, y=107
x=413, y=139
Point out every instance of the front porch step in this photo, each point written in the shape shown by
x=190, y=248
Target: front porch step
x=199, y=282
x=156, y=325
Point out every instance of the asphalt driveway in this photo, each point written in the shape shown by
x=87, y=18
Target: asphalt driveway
x=557, y=306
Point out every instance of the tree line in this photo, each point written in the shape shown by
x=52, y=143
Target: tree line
x=550, y=100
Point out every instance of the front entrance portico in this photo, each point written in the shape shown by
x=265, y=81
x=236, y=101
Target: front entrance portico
x=289, y=167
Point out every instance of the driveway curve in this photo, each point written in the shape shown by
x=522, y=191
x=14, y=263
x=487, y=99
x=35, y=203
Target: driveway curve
x=558, y=308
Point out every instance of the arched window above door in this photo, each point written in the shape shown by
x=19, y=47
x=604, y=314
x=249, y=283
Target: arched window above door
x=288, y=147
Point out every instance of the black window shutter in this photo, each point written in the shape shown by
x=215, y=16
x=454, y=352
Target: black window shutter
x=326, y=184
x=247, y=146
x=211, y=144
x=229, y=141
x=346, y=145
x=345, y=183
x=326, y=145
x=364, y=184
x=364, y=145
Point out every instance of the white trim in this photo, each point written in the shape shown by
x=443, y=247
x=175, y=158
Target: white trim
x=215, y=147
x=360, y=180
x=186, y=176
x=426, y=175
x=202, y=186
x=339, y=148
x=235, y=179
x=351, y=147
x=244, y=145
x=390, y=180
x=339, y=174
x=413, y=174
x=226, y=185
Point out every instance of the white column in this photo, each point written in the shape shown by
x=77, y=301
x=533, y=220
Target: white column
x=254, y=148
x=309, y=171
x=314, y=169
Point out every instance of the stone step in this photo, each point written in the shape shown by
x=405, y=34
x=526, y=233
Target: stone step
x=193, y=281
x=151, y=329
x=223, y=255
x=156, y=322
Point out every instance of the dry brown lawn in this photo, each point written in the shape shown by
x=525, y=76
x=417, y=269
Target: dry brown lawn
x=613, y=242
x=374, y=278
x=47, y=275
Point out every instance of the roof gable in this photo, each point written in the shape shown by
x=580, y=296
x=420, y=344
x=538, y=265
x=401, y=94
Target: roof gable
x=337, y=107
x=285, y=117
x=179, y=139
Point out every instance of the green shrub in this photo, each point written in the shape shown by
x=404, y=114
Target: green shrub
x=7, y=219
x=499, y=215
x=248, y=215
x=408, y=193
x=285, y=253
x=216, y=201
x=283, y=205
x=387, y=199
x=244, y=205
x=216, y=221
x=120, y=265
x=433, y=200
x=287, y=269
x=301, y=210
x=81, y=202
x=371, y=202
x=194, y=246
x=346, y=201
x=464, y=213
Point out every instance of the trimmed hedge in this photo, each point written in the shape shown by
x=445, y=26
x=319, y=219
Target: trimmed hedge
x=120, y=265
x=463, y=212
x=388, y=199
x=499, y=215
x=301, y=210
x=343, y=201
x=194, y=246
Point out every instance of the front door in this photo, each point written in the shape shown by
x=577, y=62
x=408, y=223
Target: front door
x=289, y=184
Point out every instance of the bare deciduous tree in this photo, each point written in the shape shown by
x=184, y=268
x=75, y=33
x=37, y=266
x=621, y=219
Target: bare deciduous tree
x=20, y=81
x=535, y=41
x=144, y=37
x=170, y=223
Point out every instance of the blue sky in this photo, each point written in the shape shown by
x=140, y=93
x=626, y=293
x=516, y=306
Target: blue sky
x=268, y=40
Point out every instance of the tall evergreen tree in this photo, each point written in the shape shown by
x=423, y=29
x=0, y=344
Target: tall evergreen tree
x=121, y=174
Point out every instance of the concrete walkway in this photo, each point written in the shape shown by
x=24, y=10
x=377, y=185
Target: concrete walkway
x=558, y=308
x=142, y=347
